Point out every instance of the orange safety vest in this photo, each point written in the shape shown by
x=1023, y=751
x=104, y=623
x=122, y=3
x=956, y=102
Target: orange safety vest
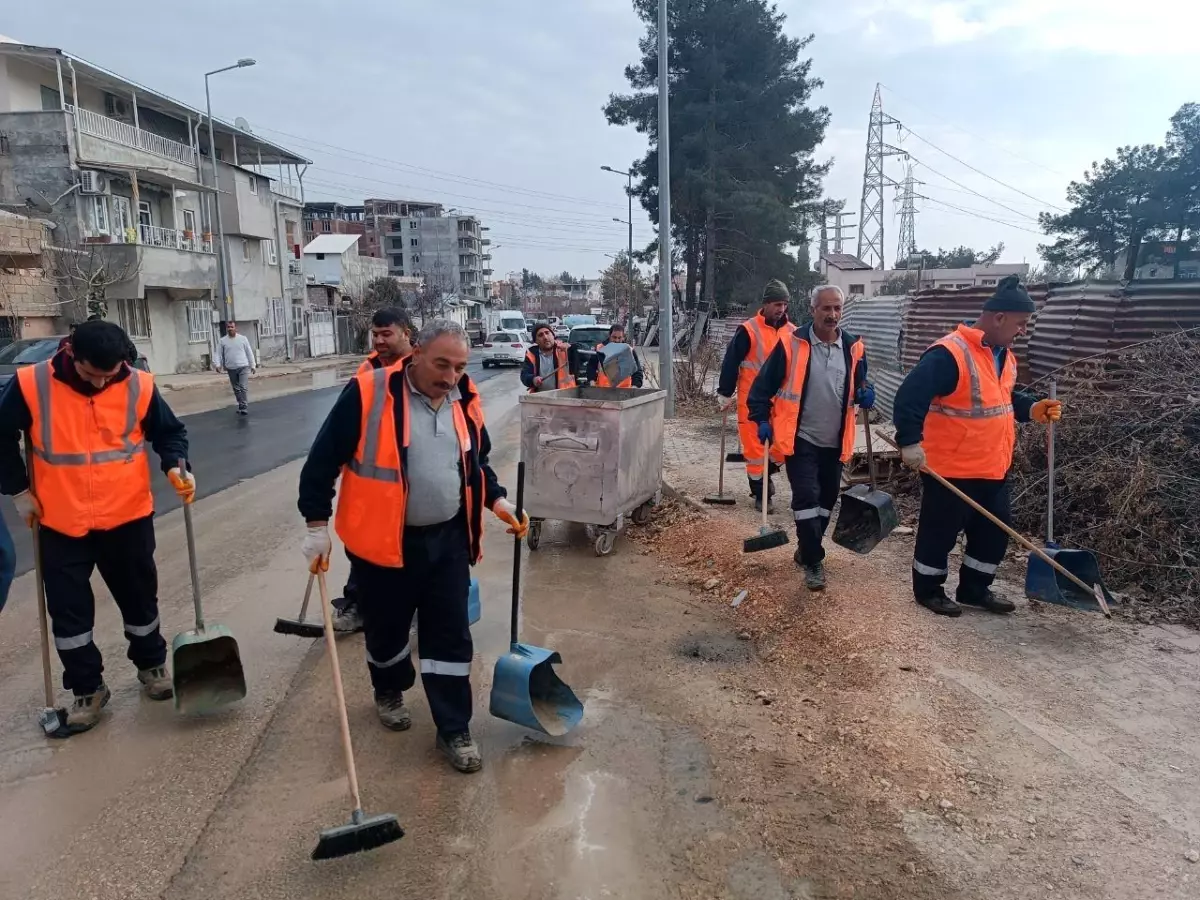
x=90, y=469
x=373, y=497
x=602, y=379
x=970, y=432
x=370, y=364
x=785, y=410
x=564, y=379
x=763, y=339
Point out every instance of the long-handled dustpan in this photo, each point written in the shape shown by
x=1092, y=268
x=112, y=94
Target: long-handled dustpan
x=720, y=498
x=301, y=627
x=1095, y=588
x=206, y=667
x=1041, y=581
x=525, y=688
x=867, y=514
x=362, y=832
x=768, y=537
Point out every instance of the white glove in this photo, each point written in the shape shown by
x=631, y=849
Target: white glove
x=28, y=507
x=317, y=547
x=723, y=403
x=913, y=456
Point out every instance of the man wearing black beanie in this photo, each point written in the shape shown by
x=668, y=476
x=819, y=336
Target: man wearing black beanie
x=956, y=413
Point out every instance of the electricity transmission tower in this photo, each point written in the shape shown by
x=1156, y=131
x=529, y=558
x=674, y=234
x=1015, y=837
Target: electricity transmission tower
x=870, y=216
x=906, y=196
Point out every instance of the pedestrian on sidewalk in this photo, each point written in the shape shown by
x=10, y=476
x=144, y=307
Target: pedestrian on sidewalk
x=411, y=448
x=88, y=415
x=956, y=412
x=748, y=349
x=805, y=402
x=236, y=356
x=391, y=341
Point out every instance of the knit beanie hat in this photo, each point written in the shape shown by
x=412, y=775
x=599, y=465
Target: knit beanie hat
x=775, y=291
x=1010, y=296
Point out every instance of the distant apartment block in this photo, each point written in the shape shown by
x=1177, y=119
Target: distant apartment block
x=123, y=174
x=333, y=218
x=444, y=247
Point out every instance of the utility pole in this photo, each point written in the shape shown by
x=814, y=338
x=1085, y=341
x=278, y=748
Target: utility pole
x=870, y=215
x=666, y=343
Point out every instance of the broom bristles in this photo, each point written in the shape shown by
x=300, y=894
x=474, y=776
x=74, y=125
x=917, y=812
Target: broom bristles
x=366, y=835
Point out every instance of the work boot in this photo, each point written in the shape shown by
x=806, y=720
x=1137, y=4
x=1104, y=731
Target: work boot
x=392, y=711
x=986, y=600
x=940, y=604
x=814, y=577
x=84, y=713
x=770, y=505
x=461, y=750
x=157, y=683
x=348, y=620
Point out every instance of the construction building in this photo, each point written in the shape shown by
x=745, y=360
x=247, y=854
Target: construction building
x=444, y=247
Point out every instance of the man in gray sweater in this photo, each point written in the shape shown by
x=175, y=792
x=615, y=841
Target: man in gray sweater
x=236, y=356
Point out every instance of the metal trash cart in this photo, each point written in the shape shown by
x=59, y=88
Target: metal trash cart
x=593, y=456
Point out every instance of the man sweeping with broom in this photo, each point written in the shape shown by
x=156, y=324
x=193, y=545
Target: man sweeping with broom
x=411, y=447
x=956, y=414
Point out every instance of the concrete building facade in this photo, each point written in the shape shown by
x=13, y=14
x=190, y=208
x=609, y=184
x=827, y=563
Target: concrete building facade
x=448, y=249
x=857, y=279
x=123, y=174
x=28, y=304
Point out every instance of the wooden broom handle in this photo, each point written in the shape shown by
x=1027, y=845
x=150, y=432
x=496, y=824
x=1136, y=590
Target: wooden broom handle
x=343, y=719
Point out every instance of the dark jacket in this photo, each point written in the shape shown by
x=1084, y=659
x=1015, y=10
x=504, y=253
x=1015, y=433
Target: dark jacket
x=774, y=373
x=166, y=434
x=531, y=368
x=739, y=346
x=337, y=442
x=593, y=367
x=936, y=375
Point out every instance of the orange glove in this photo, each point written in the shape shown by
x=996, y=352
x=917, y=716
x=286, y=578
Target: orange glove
x=1046, y=411
x=28, y=507
x=507, y=512
x=184, y=483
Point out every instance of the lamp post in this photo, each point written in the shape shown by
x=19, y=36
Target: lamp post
x=665, y=325
x=222, y=259
x=629, y=291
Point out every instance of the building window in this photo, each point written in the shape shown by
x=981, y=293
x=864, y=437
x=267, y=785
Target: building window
x=275, y=323
x=320, y=256
x=298, y=320
x=416, y=258
x=269, y=251
x=98, y=214
x=253, y=185
x=400, y=272
x=134, y=317
x=988, y=282
x=414, y=242
x=325, y=226
x=412, y=224
x=398, y=260
x=245, y=250
x=858, y=289
x=199, y=320
x=51, y=101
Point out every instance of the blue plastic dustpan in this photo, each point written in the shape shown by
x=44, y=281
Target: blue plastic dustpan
x=474, y=611
x=525, y=688
x=1045, y=584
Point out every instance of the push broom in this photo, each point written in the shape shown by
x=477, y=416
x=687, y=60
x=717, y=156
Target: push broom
x=362, y=832
x=768, y=538
x=299, y=627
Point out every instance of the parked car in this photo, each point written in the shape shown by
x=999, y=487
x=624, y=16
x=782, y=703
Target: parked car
x=562, y=333
x=504, y=348
x=26, y=352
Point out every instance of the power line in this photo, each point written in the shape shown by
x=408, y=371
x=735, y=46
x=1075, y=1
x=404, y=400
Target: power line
x=988, y=141
x=968, y=189
x=977, y=215
x=981, y=212
x=980, y=171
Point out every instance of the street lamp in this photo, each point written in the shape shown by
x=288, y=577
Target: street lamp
x=222, y=260
x=629, y=291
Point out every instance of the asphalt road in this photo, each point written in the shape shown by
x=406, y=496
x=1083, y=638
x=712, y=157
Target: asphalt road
x=227, y=448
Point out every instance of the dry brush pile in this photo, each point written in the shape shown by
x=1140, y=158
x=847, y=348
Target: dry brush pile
x=1128, y=473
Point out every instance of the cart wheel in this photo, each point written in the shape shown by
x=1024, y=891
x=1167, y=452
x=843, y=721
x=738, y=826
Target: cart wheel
x=604, y=543
x=641, y=515
x=533, y=537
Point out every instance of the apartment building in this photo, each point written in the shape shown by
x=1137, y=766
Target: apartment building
x=334, y=218
x=444, y=247
x=28, y=303
x=124, y=175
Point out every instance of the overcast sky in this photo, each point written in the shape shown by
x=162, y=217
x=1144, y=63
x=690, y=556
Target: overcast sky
x=495, y=107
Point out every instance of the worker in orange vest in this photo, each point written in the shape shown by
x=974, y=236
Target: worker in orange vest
x=956, y=413
x=410, y=446
x=549, y=364
x=89, y=415
x=616, y=335
x=391, y=341
x=748, y=350
x=805, y=401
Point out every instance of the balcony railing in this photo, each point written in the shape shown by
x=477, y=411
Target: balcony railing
x=170, y=238
x=291, y=191
x=123, y=133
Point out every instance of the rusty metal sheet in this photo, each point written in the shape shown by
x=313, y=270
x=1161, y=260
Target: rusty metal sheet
x=1076, y=322
x=879, y=322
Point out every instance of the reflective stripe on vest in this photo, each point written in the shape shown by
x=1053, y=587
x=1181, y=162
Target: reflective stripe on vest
x=41, y=380
x=977, y=410
x=785, y=406
x=758, y=353
x=366, y=467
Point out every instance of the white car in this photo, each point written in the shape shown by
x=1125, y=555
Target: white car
x=504, y=348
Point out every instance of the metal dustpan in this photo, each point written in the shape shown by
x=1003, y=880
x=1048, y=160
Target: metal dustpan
x=867, y=515
x=206, y=666
x=525, y=688
x=1045, y=583
x=618, y=362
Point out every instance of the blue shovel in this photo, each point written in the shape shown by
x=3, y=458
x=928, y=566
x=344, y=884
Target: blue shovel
x=525, y=688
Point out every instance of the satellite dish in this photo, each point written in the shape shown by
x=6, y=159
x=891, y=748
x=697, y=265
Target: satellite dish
x=243, y=124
